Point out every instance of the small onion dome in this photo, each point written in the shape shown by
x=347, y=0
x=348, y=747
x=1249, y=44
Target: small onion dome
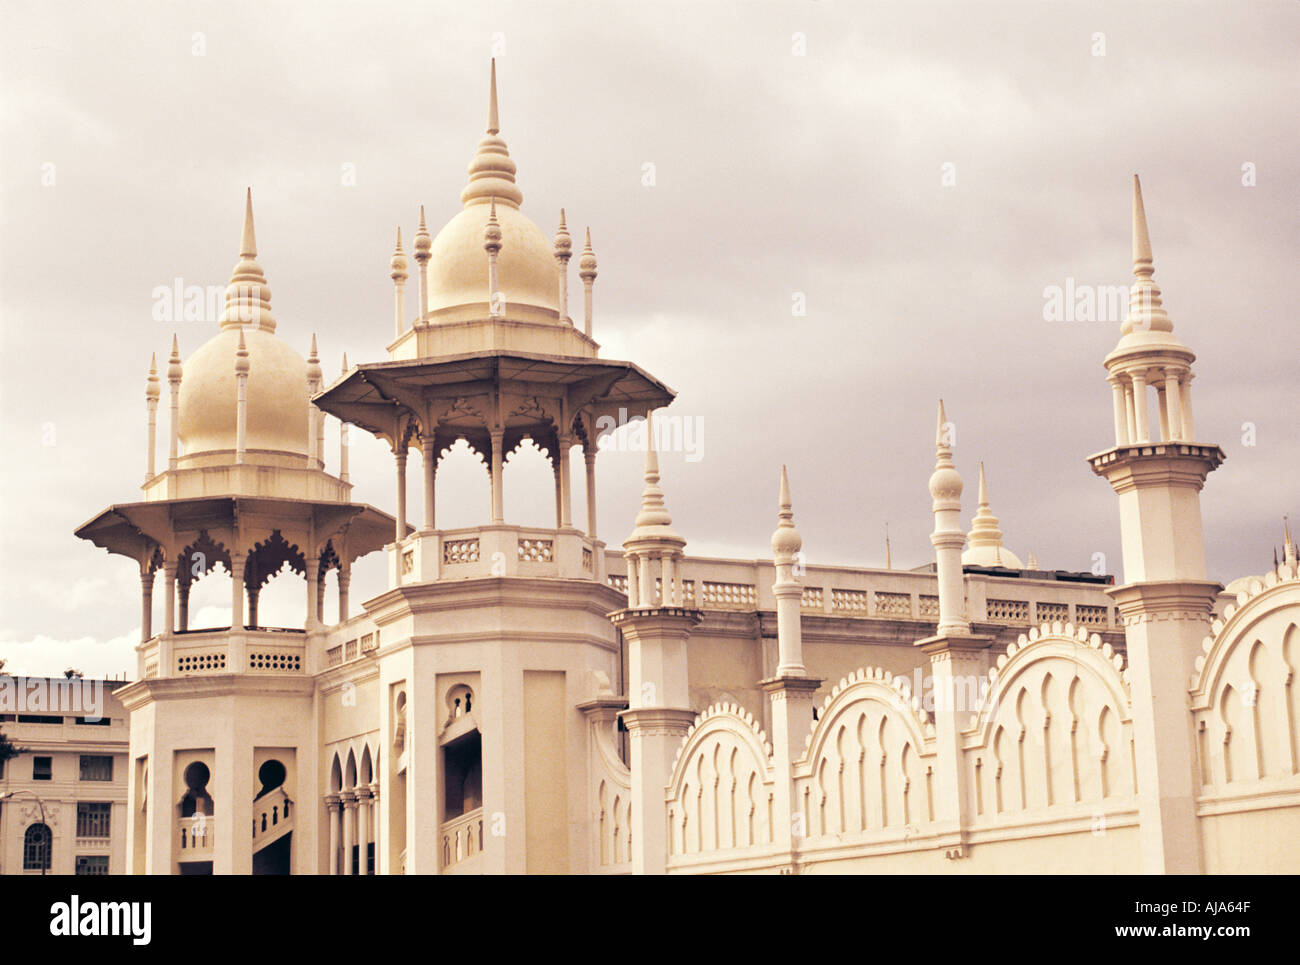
x=945, y=484
x=314, y=374
x=422, y=240
x=241, y=356
x=563, y=241
x=174, y=363
x=151, y=388
x=492, y=230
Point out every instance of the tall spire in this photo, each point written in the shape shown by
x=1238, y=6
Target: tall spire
x=654, y=512
x=491, y=172
x=948, y=537
x=1145, y=311
x=248, y=296
x=587, y=272
x=1288, y=545
x=786, y=541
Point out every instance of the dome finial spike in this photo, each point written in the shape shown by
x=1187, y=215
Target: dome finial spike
x=984, y=486
x=1141, y=239
x=786, y=541
x=248, y=243
x=494, y=125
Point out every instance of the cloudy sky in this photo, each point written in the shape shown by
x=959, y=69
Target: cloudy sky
x=915, y=175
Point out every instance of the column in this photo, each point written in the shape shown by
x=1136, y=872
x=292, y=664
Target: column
x=559, y=513
x=363, y=829
x=313, y=579
x=668, y=595
x=1162, y=410
x=343, y=450
x=1121, y=418
x=349, y=828
x=183, y=594
x=169, y=610
x=1174, y=399
x=332, y=805
x=237, y=563
x=633, y=582
x=1140, y=407
x=151, y=404
x=1189, y=427
x=374, y=830
x=1128, y=414
x=589, y=454
x=430, y=456
x=146, y=605
x=566, y=483
x=320, y=597
x=646, y=591
x=345, y=581
x=400, y=454
x=253, y=593
x=498, y=503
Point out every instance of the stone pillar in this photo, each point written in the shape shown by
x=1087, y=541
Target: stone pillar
x=1121, y=417
x=589, y=454
x=345, y=581
x=349, y=828
x=430, y=461
x=958, y=666
x=313, y=580
x=646, y=591
x=658, y=718
x=1174, y=399
x=566, y=484
x=146, y=605
x=1140, y=407
x=253, y=593
x=1189, y=426
x=374, y=829
x=332, y=805
x=1162, y=410
x=183, y=604
x=1128, y=414
x=498, y=501
x=363, y=829
x=237, y=563
x=400, y=530
x=169, y=605
x=792, y=703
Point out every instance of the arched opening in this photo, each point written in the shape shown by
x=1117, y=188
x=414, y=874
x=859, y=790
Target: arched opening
x=38, y=848
x=463, y=775
x=463, y=488
x=336, y=776
x=528, y=482
x=271, y=775
x=197, y=800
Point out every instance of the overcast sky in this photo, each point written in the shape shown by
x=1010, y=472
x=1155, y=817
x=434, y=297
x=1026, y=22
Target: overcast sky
x=800, y=151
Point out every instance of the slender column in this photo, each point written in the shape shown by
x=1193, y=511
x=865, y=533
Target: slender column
x=174, y=383
x=633, y=582
x=374, y=830
x=590, y=457
x=345, y=442
x=430, y=457
x=183, y=595
x=146, y=605
x=349, y=828
x=398, y=274
x=498, y=502
x=241, y=399
x=566, y=483
x=151, y=393
x=345, y=581
x=332, y=805
x=668, y=595
x=313, y=580
x=1140, y=407
x=1189, y=427
x=1174, y=399
x=237, y=563
x=320, y=598
x=492, y=245
x=1128, y=414
x=587, y=272
x=400, y=454
x=363, y=829
x=253, y=593
x=1121, y=415
x=423, y=250
x=1162, y=410
x=646, y=592
x=169, y=606
x=563, y=251
x=559, y=513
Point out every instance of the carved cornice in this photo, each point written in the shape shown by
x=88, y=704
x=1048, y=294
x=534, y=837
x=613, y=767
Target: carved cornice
x=658, y=721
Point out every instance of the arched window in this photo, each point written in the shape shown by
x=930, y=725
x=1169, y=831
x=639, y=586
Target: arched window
x=37, y=844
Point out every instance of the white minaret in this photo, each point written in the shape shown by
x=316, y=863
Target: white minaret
x=397, y=272
x=315, y=429
x=174, y=383
x=1167, y=602
x=241, y=398
x=343, y=431
x=563, y=252
x=492, y=245
x=151, y=393
x=787, y=545
x=423, y=246
x=948, y=537
x=587, y=272
x=659, y=697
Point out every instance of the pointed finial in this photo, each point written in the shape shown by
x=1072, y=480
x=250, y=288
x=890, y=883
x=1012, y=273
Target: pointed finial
x=174, y=362
x=985, y=537
x=654, y=512
x=1033, y=560
x=786, y=541
x=494, y=125
x=248, y=244
x=151, y=389
x=344, y=369
x=1288, y=545
x=942, y=435
x=312, y=356
x=945, y=483
x=398, y=263
x=984, y=486
x=1145, y=307
x=587, y=262
x=889, y=556
x=563, y=241
x=422, y=240
x=492, y=231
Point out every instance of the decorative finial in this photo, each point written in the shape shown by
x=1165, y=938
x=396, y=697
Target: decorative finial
x=398, y=263
x=587, y=262
x=241, y=356
x=1288, y=545
x=174, y=362
x=492, y=172
x=1033, y=560
x=422, y=240
x=563, y=241
x=654, y=512
x=985, y=537
x=248, y=296
x=889, y=556
x=313, y=364
x=344, y=369
x=786, y=541
x=945, y=483
x=151, y=389
x=1145, y=308
x=492, y=231
x=494, y=125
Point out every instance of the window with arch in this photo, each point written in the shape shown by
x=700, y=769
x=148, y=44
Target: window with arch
x=38, y=842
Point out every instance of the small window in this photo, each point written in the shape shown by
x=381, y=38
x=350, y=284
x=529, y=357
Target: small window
x=42, y=768
x=96, y=767
x=92, y=864
x=93, y=820
x=95, y=722
x=37, y=843
x=39, y=719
